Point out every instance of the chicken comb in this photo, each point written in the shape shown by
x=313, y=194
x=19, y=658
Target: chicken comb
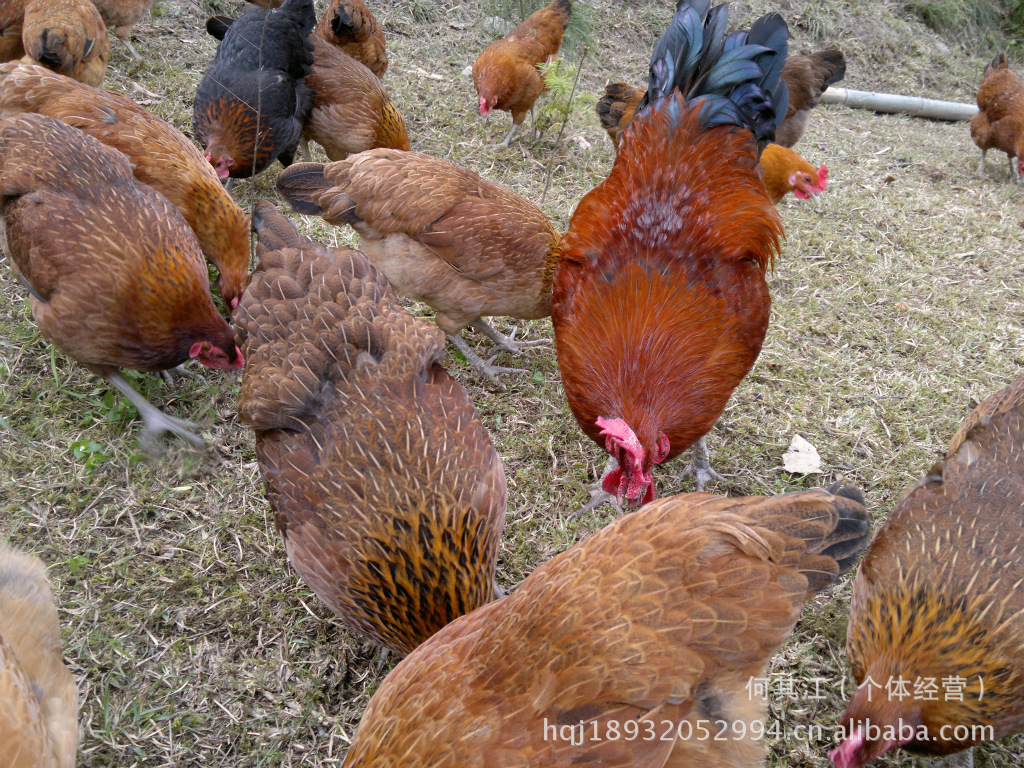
x=739, y=75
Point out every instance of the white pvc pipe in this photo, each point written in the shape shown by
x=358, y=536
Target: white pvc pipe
x=890, y=102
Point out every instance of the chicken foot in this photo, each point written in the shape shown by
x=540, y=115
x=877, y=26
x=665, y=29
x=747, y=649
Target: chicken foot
x=507, y=343
x=508, y=138
x=700, y=466
x=180, y=370
x=156, y=422
x=124, y=35
x=1014, y=171
x=485, y=368
x=598, y=495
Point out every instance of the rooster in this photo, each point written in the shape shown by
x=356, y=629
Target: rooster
x=657, y=622
x=353, y=29
x=253, y=100
x=999, y=123
x=38, y=696
x=67, y=36
x=116, y=276
x=937, y=603
x=505, y=73
x=387, y=492
x=660, y=300
x=161, y=157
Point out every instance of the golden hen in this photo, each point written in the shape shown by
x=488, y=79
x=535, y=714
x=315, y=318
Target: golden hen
x=386, y=490
x=442, y=235
x=38, y=697
x=999, y=123
x=122, y=15
x=618, y=651
x=115, y=275
x=162, y=158
x=505, y=73
x=351, y=110
x=353, y=29
x=67, y=36
x=936, y=630
x=784, y=171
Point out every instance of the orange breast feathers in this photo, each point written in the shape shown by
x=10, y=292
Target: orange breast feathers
x=660, y=301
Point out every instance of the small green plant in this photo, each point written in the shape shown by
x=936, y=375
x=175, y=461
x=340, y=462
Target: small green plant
x=558, y=102
x=89, y=452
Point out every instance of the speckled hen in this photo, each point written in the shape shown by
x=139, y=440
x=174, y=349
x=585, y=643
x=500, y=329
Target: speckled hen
x=386, y=489
x=617, y=652
x=938, y=602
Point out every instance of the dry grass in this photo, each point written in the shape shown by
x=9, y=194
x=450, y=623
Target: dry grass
x=897, y=306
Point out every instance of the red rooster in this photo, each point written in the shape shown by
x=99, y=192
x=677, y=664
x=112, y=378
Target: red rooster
x=660, y=301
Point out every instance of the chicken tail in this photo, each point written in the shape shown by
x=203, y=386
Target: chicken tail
x=615, y=108
x=834, y=64
x=218, y=26
x=739, y=75
x=274, y=230
x=350, y=25
x=1001, y=61
x=301, y=14
x=300, y=184
x=51, y=50
x=564, y=9
x=851, y=534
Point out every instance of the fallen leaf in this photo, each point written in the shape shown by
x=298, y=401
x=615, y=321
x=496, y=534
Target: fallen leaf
x=801, y=458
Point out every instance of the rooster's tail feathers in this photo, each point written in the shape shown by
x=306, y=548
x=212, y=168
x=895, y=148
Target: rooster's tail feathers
x=739, y=75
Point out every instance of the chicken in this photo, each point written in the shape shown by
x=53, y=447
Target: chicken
x=256, y=88
x=660, y=300
x=785, y=171
x=386, y=490
x=807, y=77
x=505, y=73
x=352, y=28
x=658, y=622
x=67, y=36
x=38, y=696
x=999, y=123
x=11, y=13
x=936, y=629
x=122, y=15
x=162, y=157
x=351, y=111
x=442, y=235
x=615, y=109
x=115, y=275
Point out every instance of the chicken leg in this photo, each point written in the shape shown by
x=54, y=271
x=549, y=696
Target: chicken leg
x=156, y=421
x=124, y=35
x=486, y=368
x=508, y=138
x=981, y=163
x=700, y=466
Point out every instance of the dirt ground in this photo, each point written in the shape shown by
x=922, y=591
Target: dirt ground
x=897, y=306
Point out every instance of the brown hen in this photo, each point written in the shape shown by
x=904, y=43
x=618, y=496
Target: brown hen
x=116, y=276
x=936, y=631
x=505, y=73
x=11, y=13
x=122, y=15
x=162, y=157
x=442, y=235
x=387, y=492
x=352, y=28
x=38, y=697
x=67, y=36
x=351, y=110
x=652, y=626
x=999, y=123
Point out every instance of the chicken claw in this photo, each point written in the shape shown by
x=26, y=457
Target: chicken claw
x=700, y=466
x=156, y=422
x=598, y=495
x=485, y=368
x=507, y=343
x=181, y=370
